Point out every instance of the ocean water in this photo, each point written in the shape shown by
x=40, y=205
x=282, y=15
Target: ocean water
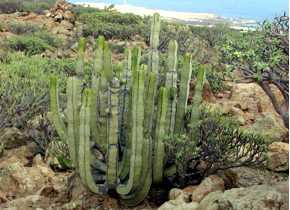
x=258, y=10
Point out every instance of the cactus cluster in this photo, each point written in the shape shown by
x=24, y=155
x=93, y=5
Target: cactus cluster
x=115, y=128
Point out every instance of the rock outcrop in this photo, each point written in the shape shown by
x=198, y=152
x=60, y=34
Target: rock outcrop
x=253, y=109
x=62, y=11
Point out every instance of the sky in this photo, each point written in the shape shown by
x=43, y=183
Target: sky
x=249, y=9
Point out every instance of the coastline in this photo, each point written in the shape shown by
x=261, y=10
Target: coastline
x=198, y=19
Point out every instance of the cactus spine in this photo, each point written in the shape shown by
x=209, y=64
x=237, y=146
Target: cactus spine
x=116, y=114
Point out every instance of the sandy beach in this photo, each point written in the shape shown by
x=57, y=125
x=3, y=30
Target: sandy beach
x=197, y=19
x=184, y=16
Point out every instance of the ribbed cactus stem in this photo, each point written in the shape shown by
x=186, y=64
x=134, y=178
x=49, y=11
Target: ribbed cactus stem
x=172, y=55
x=84, y=143
x=55, y=115
x=94, y=110
x=136, y=56
x=159, y=148
x=99, y=60
x=112, y=125
x=185, y=77
x=140, y=193
x=73, y=109
x=197, y=100
x=150, y=94
x=108, y=66
x=137, y=140
x=154, y=43
x=155, y=30
x=171, y=84
x=124, y=137
x=81, y=56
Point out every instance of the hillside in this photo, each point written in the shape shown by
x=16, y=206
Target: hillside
x=101, y=109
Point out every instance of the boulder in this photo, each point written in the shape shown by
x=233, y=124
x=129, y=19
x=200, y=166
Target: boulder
x=208, y=185
x=278, y=153
x=270, y=127
x=258, y=197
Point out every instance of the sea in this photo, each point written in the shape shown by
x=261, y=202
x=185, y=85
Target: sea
x=257, y=10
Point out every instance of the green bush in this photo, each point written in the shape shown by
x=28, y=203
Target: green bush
x=28, y=44
x=112, y=24
x=79, y=10
x=22, y=27
x=216, y=77
x=11, y=6
x=24, y=86
x=222, y=145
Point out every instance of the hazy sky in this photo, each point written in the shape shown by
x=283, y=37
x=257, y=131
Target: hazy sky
x=253, y=9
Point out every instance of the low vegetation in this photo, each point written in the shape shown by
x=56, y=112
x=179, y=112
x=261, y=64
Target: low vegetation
x=11, y=6
x=221, y=145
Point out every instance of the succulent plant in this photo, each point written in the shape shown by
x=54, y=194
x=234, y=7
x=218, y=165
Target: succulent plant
x=125, y=116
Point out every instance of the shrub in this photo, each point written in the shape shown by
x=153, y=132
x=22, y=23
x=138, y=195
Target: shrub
x=79, y=10
x=28, y=44
x=112, y=24
x=222, y=145
x=21, y=27
x=48, y=38
x=262, y=56
x=24, y=86
x=216, y=77
x=8, y=6
x=11, y=6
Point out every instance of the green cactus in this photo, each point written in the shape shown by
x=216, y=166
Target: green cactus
x=154, y=42
x=125, y=106
x=116, y=114
x=137, y=138
x=84, y=143
x=184, y=80
x=171, y=84
x=159, y=148
x=197, y=100
x=112, y=129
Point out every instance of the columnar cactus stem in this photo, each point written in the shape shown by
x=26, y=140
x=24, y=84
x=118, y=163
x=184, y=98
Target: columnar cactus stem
x=125, y=118
x=197, y=100
x=151, y=90
x=159, y=148
x=85, y=145
x=81, y=56
x=55, y=116
x=73, y=109
x=171, y=84
x=137, y=134
x=185, y=77
x=154, y=42
x=112, y=126
x=146, y=178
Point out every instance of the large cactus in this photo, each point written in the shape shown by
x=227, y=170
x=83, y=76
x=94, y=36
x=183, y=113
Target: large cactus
x=126, y=116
